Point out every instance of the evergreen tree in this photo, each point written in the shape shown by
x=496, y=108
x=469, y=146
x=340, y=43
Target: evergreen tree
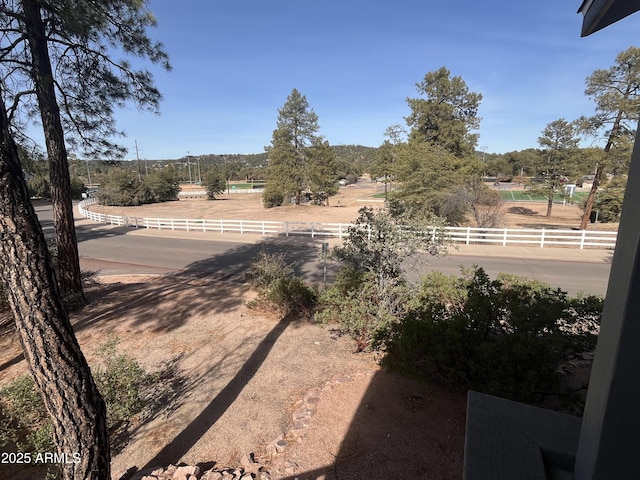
x=59, y=60
x=448, y=114
x=299, y=159
x=616, y=92
x=50, y=348
x=558, y=140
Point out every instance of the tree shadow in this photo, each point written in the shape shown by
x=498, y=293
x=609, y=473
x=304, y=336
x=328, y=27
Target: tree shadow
x=93, y=231
x=301, y=252
x=198, y=427
x=522, y=211
x=143, y=303
x=402, y=428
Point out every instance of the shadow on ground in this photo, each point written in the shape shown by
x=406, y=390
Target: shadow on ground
x=199, y=426
x=522, y=211
x=402, y=428
x=302, y=253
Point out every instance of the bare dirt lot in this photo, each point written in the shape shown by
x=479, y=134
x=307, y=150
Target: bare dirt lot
x=343, y=209
x=233, y=382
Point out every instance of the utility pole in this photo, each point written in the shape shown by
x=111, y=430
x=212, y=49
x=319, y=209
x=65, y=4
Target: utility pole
x=88, y=172
x=138, y=160
x=189, y=166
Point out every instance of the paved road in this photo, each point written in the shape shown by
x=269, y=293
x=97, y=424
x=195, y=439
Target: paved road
x=124, y=250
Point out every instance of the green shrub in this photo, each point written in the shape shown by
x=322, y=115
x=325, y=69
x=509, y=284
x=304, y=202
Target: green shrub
x=362, y=308
x=214, y=182
x=119, y=379
x=290, y=294
x=267, y=268
x=272, y=198
x=25, y=423
x=504, y=337
x=279, y=289
x=39, y=186
x=24, y=420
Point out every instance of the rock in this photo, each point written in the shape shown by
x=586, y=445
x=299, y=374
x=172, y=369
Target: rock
x=250, y=465
x=280, y=445
x=211, y=475
x=184, y=472
x=171, y=469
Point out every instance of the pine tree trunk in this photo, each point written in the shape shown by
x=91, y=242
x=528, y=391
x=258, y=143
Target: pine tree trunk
x=591, y=198
x=53, y=355
x=68, y=259
x=550, y=204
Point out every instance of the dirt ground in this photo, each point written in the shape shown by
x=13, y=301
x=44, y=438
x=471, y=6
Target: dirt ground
x=343, y=208
x=232, y=381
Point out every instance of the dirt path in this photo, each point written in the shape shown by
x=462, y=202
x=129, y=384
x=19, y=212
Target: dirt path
x=233, y=381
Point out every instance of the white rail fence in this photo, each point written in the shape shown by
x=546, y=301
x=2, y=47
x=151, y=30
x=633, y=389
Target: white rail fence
x=466, y=235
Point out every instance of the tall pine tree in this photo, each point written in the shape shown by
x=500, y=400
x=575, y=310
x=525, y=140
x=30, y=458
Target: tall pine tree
x=299, y=159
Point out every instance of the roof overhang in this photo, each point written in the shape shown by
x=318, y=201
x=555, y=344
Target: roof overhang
x=601, y=13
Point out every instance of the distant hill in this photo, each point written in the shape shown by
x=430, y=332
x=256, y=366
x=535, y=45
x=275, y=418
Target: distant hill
x=349, y=154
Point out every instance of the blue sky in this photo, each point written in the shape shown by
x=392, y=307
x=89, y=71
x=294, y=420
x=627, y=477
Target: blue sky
x=235, y=63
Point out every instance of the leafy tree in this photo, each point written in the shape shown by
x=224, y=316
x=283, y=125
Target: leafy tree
x=291, y=163
x=124, y=187
x=214, y=181
x=163, y=184
x=616, y=93
x=120, y=187
x=557, y=140
x=58, y=56
x=51, y=350
x=39, y=187
x=447, y=116
x=371, y=292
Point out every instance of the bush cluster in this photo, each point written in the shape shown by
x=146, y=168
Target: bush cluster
x=506, y=337
x=279, y=290
x=125, y=188
x=25, y=423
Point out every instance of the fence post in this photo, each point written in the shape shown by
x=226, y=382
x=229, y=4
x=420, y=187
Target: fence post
x=286, y=229
x=221, y=226
x=187, y=224
x=241, y=227
x=126, y=221
x=172, y=225
x=542, y=238
x=468, y=235
x=312, y=233
x=584, y=232
x=368, y=232
x=504, y=239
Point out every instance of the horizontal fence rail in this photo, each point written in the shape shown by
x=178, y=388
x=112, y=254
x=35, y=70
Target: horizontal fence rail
x=465, y=235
